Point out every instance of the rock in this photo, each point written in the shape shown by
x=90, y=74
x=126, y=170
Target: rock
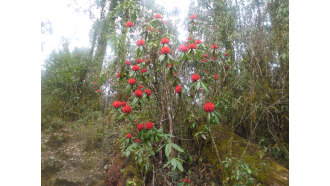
x=231, y=145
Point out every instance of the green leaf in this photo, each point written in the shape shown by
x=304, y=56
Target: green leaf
x=205, y=87
x=171, y=57
x=179, y=165
x=121, y=116
x=177, y=147
x=161, y=58
x=168, y=162
x=198, y=85
x=134, y=101
x=216, y=120
x=167, y=149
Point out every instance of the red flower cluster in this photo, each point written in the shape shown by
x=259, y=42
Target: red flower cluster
x=128, y=136
x=226, y=54
x=135, y=68
x=164, y=21
x=186, y=180
x=150, y=29
x=149, y=125
x=192, y=46
x=140, y=126
x=148, y=92
x=178, y=89
x=118, y=74
x=127, y=109
x=138, y=93
x=183, y=48
x=204, y=60
x=123, y=103
x=132, y=81
x=214, y=46
x=140, y=42
x=116, y=104
x=165, y=50
x=165, y=41
x=129, y=24
x=209, y=107
x=158, y=16
x=137, y=140
x=175, y=74
x=195, y=77
x=193, y=16
x=205, y=55
x=216, y=77
x=205, y=71
x=141, y=86
x=198, y=41
x=127, y=62
x=227, y=67
x=138, y=61
x=189, y=38
x=143, y=70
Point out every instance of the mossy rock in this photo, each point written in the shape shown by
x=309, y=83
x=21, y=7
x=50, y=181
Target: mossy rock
x=231, y=145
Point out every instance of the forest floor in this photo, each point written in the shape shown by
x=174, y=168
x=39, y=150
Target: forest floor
x=73, y=156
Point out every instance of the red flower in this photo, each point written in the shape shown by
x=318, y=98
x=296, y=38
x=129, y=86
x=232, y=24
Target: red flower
x=226, y=54
x=127, y=109
x=212, y=58
x=165, y=41
x=123, y=103
x=214, y=46
x=198, y=41
x=205, y=71
x=164, y=21
x=127, y=62
x=140, y=42
x=132, y=81
x=186, y=180
x=149, y=125
x=118, y=74
x=216, y=77
x=93, y=87
x=148, y=92
x=157, y=16
x=175, y=74
x=178, y=89
x=227, y=67
x=165, y=50
x=138, y=93
x=137, y=140
x=138, y=61
x=205, y=55
x=168, y=66
x=97, y=90
x=183, y=48
x=193, y=16
x=209, y=107
x=140, y=126
x=128, y=136
x=189, y=38
x=95, y=82
x=195, y=77
x=135, y=68
x=100, y=90
x=192, y=46
x=116, y=104
x=144, y=70
x=129, y=24
x=150, y=29
x=204, y=60
x=141, y=86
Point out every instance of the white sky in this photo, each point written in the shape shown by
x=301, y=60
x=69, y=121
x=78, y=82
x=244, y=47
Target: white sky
x=75, y=26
